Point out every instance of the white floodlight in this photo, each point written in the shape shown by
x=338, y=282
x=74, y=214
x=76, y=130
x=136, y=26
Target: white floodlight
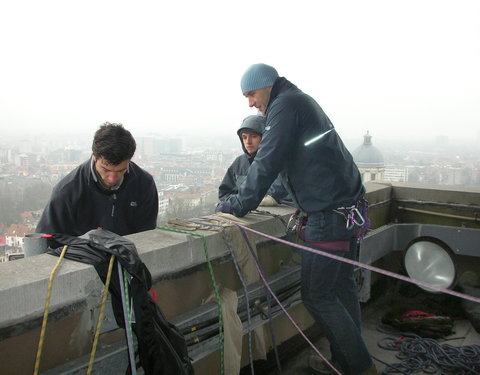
x=431, y=262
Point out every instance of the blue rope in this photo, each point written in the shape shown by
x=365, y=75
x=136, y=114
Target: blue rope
x=417, y=353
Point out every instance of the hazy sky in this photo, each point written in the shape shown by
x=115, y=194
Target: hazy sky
x=396, y=68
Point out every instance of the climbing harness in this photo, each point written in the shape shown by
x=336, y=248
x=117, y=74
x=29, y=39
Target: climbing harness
x=355, y=215
x=45, y=312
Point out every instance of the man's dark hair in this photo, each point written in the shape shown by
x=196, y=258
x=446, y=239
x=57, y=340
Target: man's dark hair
x=114, y=143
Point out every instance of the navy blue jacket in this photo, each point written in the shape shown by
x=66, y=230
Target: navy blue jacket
x=234, y=176
x=78, y=205
x=320, y=175
x=237, y=173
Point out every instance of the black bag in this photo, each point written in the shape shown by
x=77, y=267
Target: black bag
x=422, y=323
x=161, y=346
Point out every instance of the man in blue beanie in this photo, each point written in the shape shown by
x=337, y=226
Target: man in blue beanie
x=300, y=143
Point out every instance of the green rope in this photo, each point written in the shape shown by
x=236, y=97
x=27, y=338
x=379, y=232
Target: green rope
x=126, y=286
x=215, y=290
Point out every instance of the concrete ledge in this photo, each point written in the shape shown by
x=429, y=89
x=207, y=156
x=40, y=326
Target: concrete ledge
x=24, y=282
x=436, y=193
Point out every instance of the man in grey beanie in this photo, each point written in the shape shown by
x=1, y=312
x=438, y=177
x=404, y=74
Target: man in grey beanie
x=250, y=135
x=300, y=143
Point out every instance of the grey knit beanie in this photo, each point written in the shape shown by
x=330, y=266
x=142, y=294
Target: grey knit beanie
x=258, y=76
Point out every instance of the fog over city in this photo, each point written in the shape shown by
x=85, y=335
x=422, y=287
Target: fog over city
x=405, y=71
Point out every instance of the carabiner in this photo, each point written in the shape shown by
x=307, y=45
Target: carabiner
x=350, y=220
x=293, y=219
x=362, y=219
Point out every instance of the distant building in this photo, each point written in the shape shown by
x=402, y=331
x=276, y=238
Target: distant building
x=151, y=146
x=3, y=156
x=31, y=218
x=72, y=154
x=395, y=174
x=163, y=202
x=24, y=160
x=15, y=234
x=454, y=176
x=184, y=174
x=216, y=156
x=171, y=146
x=369, y=160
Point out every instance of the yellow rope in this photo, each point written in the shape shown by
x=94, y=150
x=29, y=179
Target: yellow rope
x=100, y=316
x=45, y=312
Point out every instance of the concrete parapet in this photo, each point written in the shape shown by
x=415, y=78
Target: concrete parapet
x=24, y=282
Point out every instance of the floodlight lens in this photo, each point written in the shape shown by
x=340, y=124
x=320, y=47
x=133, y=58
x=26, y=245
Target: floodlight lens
x=431, y=263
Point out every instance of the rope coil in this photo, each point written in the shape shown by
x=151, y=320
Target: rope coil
x=427, y=355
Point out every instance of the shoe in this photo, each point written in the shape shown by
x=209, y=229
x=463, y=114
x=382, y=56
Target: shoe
x=320, y=367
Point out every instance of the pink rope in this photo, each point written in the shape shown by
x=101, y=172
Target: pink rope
x=362, y=265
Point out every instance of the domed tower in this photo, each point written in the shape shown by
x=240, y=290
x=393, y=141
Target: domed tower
x=369, y=160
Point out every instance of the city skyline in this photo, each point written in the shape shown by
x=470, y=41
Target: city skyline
x=187, y=181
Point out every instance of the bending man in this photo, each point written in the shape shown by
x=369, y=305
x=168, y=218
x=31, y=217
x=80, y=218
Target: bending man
x=107, y=191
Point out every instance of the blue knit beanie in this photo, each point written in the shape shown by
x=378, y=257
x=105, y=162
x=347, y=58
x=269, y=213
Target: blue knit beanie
x=258, y=76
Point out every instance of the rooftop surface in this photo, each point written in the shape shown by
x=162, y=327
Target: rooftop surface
x=375, y=335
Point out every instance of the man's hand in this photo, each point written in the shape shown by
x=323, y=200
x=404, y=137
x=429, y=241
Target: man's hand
x=225, y=207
